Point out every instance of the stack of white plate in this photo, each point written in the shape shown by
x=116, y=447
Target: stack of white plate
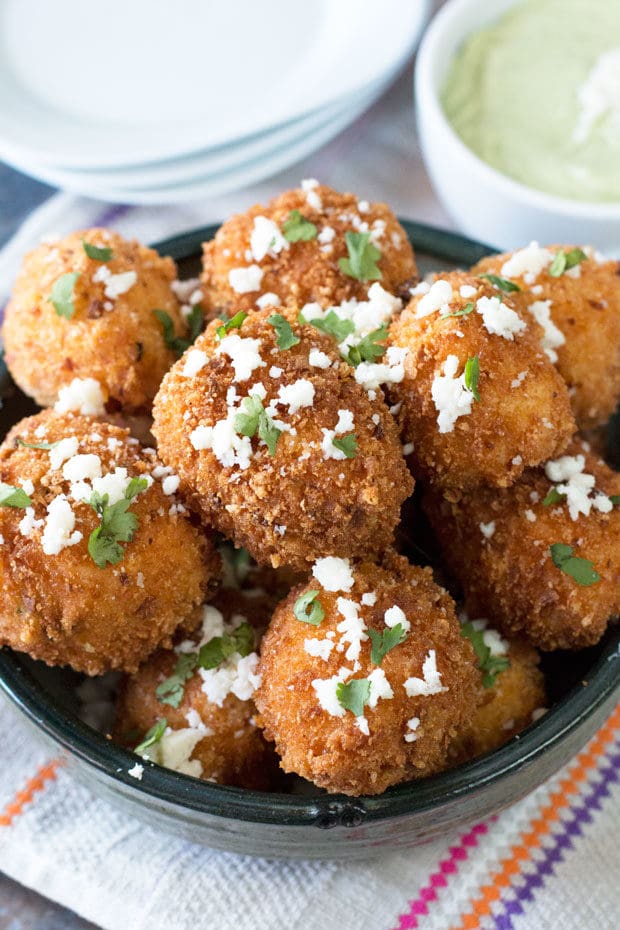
x=154, y=101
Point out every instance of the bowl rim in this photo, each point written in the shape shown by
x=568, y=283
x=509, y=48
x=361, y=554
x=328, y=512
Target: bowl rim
x=434, y=793
x=426, y=91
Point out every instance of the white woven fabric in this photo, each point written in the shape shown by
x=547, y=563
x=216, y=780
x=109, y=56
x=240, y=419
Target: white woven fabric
x=61, y=840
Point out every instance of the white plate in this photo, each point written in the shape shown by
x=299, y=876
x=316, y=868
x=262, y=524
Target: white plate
x=135, y=81
x=211, y=185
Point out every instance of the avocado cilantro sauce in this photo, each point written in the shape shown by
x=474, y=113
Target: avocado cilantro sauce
x=537, y=96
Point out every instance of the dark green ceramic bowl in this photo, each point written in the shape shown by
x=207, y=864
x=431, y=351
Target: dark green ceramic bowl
x=582, y=691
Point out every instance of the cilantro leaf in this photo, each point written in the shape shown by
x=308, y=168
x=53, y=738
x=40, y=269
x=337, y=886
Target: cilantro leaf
x=235, y=322
x=176, y=343
x=172, y=689
x=46, y=446
x=117, y=524
x=472, y=374
x=488, y=664
x=384, y=641
x=315, y=614
x=194, y=322
x=581, y=570
x=363, y=257
x=353, y=695
x=222, y=647
x=564, y=261
x=62, y=295
x=254, y=418
x=615, y=499
x=286, y=337
x=369, y=348
x=334, y=326
x=11, y=496
x=346, y=444
x=502, y=284
x=298, y=229
x=467, y=309
x=153, y=735
x=553, y=497
x=96, y=252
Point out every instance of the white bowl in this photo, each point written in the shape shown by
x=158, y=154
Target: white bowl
x=486, y=204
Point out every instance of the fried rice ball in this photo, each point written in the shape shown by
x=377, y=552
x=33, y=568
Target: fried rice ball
x=209, y=713
x=480, y=401
x=259, y=252
x=280, y=448
x=374, y=694
x=102, y=328
x=543, y=556
x=578, y=310
x=103, y=602
x=511, y=696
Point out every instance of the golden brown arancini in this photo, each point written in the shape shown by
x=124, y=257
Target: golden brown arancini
x=104, y=328
x=251, y=255
x=330, y=482
x=480, y=399
x=209, y=713
x=579, y=312
x=510, y=697
x=315, y=678
x=56, y=602
x=509, y=549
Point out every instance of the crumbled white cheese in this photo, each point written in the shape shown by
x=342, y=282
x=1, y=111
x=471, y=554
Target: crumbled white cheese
x=408, y=448
x=82, y=395
x=174, y=750
x=333, y=574
x=82, y=468
x=326, y=235
x=394, y=615
x=498, y=318
x=530, y=515
x=245, y=280
x=527, y=263
x=195, y=361
x=518, y=381
x=65, y=449
x=438, y=297
x=28, y=524
x=567, y=474
x=297, y=395
x=379, y=687
x=226, y=444
x=487, y=529
x=373, y=374
x=422, y=288
x=552, y=337
x=275, y=372
x=309, y=185
x=115, y=284
x=59, y=531
x=266, y=239
x=28, y=486
x=268, y=300
x=236, y=675
x=319, y=648
x=318, y=359
x=496, y=645
x=369, y=599
x=137, y=771
x=467, y=290
x=352, y=628
x=325, y=689
x=430, y=683
x=243, y=353
x=345, y=424
x=114, y=484
x=170, y=484
x=450, y=396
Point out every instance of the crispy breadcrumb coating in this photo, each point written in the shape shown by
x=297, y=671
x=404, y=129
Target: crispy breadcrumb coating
x=56, y=603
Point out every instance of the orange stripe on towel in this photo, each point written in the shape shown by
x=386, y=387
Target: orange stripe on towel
x=46, y=774
x=540, y=826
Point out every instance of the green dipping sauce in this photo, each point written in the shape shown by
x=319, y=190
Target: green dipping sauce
x=537, y=96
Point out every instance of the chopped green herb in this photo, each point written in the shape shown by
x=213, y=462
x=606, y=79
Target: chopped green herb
x=615, y=499
x=98, y=253
x=45, y=446
x=315, y=614
x=152, y=736
x=489, y=665
x=172, y=689
x=363, y=257
x=347, y=444
x=467, y=309
x=254, y=418
x=298, y=229
x=502, y=284
x=117, y=524
x=369, y=348
x=581, y=570
x=219, y=648
x=179, y=344
x=235, y=322
x=334, y=326
x=384, y=641
x=553, y=497
x=472, y=374
x=286, y=337
x=353, y=695
x=564, y=261
x=194, y=322
x=62, y=294
x=13, y=497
